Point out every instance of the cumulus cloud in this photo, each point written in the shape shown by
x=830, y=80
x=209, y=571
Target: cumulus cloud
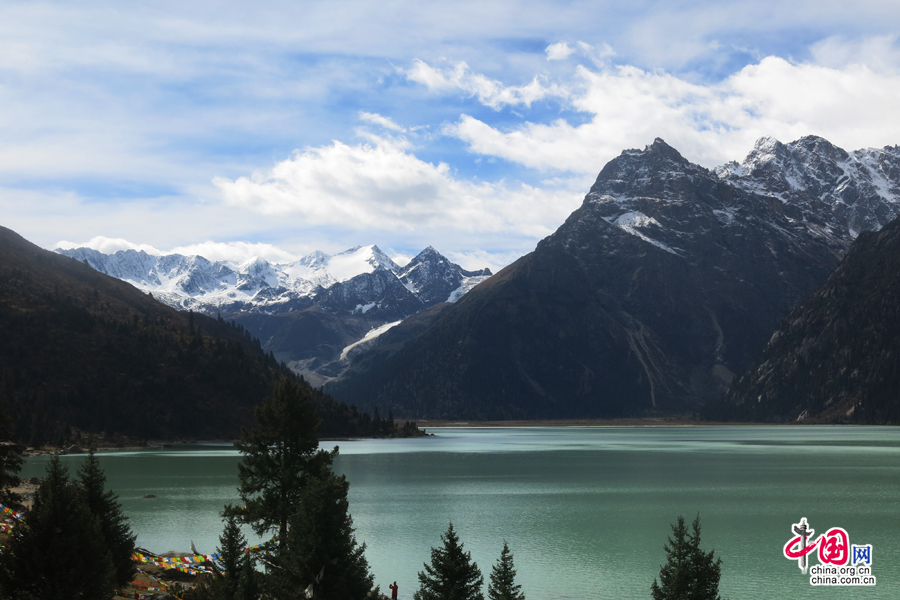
x=383, y=186
x=108, y=245
x=232, y=252
x=235, y=252
x=489, y=92
x=598, y=55
x=853, y=106
x=559, y=51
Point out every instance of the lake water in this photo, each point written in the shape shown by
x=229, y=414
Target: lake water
x=585, y=511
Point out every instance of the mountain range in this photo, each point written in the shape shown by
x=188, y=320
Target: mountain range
x=310, y=313
x=651, y=297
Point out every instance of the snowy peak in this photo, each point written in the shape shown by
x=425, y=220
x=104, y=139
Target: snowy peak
x=366, y=277
x=847, y=192
x=256, y=274
x=657, y=171
x=356, y=261
x=657, y=196
x=432, y=277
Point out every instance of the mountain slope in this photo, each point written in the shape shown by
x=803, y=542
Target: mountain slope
x=647, y=300
x=834, y=357
x=82, y=351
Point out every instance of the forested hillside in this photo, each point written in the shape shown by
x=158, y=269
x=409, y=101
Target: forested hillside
x=83, y=353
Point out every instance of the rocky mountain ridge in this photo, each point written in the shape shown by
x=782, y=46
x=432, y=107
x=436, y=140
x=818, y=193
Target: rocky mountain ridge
x=838, y=193
x=258, y=286
x=310, y=313
x=652, y=295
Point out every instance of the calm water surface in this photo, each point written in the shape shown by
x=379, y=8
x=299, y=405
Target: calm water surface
x=585, y=511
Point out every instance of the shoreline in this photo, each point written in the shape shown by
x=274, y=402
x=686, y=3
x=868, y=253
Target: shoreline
x=635, y=422
x=449, y=423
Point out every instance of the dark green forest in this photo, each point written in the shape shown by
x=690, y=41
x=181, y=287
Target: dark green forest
x=85, y=357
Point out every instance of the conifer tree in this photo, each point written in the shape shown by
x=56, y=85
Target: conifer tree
x=58, y=551
x=231, y=560
x=452, y=575
x=280, y=455
x=322, y=550
x=235, y=578
x=503, y=578
x=104, y=505
x=689, y=572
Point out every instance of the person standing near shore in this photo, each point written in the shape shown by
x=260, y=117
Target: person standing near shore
x=393, y=587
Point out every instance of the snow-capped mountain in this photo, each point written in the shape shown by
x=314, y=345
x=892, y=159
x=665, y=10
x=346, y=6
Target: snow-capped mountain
x=312, y=312
x=434, y=279
x=361, y=276
x=838, y=193
x=649, y=299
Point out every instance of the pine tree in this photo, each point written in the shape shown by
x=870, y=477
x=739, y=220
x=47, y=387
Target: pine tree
x=280, y=454
x=58, y=551
x=104, y=505
x=689, y=572
x=235, y=576
x=452, y=575
x=231, y=560
x=503, y=578
x=322, y=549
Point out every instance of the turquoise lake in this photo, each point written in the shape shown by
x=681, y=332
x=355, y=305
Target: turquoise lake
x=585, y=511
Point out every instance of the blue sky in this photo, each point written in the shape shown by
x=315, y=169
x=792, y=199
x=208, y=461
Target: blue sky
x=277, y=128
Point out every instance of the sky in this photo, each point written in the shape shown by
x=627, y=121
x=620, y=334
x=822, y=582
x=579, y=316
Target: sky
x=232, y=129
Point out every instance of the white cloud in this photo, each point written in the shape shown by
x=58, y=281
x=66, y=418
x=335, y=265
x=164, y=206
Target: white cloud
x=559, y=51
x=852, y=106
x=384, y=187
x=879, y=53
x=232, y=252
x=489, y=92
x=108, y=245
x=598, y=55
x=381, y=121
x=478, y=259
x=235, y=252
x=402, y=259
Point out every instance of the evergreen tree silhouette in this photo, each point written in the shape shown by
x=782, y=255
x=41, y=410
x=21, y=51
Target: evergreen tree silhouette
x=321, y=548
x=689, y=572
x=503, y=578
x=452, y=575
x=280, y=454
x=59, y=550
x=104, y=506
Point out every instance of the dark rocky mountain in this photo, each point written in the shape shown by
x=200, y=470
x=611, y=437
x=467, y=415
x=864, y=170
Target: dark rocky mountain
x=435, y=279
x=84, y=353
x=838, y=193
x=307, y=312
x=836, y=357
x=648, y=299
